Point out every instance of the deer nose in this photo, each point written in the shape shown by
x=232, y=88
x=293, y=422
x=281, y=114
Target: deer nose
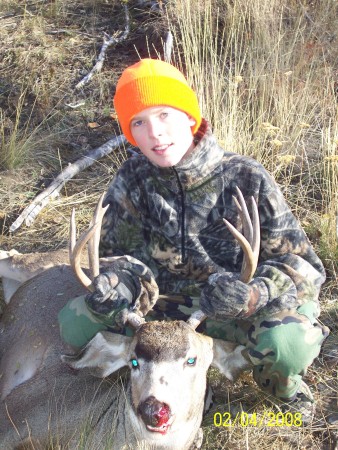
x=153, y=412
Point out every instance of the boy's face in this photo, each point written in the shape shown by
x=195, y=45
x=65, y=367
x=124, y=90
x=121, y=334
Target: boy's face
x=163, y=134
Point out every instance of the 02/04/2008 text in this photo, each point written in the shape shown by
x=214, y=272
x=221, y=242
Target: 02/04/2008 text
x=266, y=419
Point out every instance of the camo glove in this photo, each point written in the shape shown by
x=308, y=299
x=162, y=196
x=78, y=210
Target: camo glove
x=126, y=284
x=225, y=296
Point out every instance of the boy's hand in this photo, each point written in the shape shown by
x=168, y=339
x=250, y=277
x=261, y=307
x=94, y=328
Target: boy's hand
x=125, y=284
x=225, y=296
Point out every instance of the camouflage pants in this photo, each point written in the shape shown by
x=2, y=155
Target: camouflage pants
x=280, y=347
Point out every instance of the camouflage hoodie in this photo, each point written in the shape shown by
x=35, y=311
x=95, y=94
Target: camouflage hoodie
x=171, y=220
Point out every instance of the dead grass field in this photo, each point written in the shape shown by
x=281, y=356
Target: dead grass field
x=266, y=74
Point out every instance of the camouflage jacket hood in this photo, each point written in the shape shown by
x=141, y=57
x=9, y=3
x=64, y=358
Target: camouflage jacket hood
x=172, y=220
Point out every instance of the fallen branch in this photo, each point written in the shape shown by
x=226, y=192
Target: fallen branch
x=31, y=211
x=107, y=42
x=29, y=214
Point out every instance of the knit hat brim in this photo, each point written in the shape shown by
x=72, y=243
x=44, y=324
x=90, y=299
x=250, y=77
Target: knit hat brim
x=153, y=88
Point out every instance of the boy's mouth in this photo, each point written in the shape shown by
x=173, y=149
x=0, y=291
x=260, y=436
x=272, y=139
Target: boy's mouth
x=160, y=149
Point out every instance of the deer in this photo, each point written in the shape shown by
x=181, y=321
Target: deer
x=17, y=268
x=142, y=391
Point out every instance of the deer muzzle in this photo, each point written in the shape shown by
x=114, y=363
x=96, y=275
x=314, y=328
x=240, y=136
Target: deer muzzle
x=156, y=415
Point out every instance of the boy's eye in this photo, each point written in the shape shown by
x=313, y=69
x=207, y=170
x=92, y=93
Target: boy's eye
x=191, y=361
x=137, y=123
x=164, y=114
x=134, y=363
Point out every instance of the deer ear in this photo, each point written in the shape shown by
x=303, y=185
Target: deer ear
x=228, y=358
x=105, y=353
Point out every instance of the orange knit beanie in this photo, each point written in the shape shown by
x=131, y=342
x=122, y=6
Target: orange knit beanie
x=152, y=82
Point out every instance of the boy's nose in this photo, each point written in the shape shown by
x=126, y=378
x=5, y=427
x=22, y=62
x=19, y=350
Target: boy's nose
x=154, y=129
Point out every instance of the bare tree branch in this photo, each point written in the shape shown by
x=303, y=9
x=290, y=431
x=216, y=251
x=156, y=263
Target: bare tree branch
x=107, y=42
x=168, y=47
x=31, y=211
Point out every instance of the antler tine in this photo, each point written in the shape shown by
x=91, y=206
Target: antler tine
x=75, y=250
x=72, y=232
x=246, y=224
x=247, y=266
x=245, y=216
x=93, y=243
x=256, y=242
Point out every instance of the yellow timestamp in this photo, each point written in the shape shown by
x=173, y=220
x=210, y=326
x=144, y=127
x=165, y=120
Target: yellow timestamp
x=266, y=419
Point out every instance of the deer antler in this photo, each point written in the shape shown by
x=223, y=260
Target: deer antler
x=250, y=239
x=75, y=249
x=249, y=242
x=93, y=243
x=92, y=237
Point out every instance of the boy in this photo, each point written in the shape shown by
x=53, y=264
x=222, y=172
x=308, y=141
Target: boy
x=166, y=211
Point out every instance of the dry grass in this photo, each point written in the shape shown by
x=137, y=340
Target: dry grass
x=266, y=75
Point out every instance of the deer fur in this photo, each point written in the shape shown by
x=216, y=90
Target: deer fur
x=16, y=268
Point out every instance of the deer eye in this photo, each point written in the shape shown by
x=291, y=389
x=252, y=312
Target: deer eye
x=191, y=361
x=134, y=363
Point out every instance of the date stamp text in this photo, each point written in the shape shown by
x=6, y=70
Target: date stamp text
x=265, y=419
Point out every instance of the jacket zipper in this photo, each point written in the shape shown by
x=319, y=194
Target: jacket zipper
x=182, y=195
